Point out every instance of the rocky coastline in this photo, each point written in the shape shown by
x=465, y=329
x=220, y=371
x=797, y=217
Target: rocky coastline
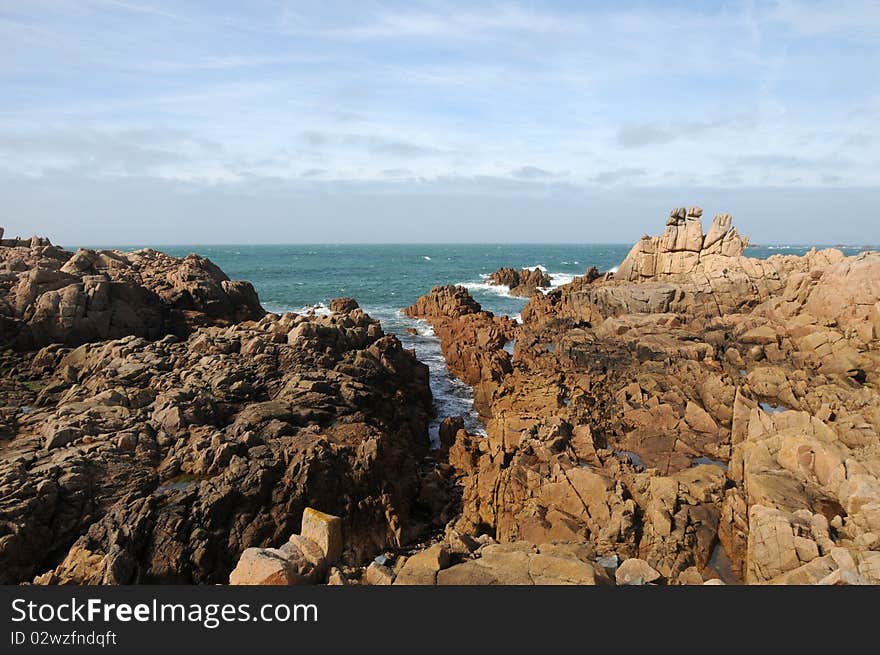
x=160, y=456
x=702, y=413
x=697, y=417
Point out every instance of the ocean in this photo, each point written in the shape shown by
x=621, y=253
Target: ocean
x=386, y=278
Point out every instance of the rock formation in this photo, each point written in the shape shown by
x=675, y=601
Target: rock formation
x=709, y=414
x=524, y=282
x=458, y=559
x=682, y=248
x=304, y=559
x=472, y=339
x=50, y=295
x=134, y=461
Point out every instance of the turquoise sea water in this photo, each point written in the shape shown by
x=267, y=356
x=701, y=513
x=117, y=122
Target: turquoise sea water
x=386, y=278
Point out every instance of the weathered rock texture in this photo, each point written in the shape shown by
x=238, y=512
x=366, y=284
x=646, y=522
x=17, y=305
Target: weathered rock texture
x=304, y=559
x=699, y=415
x=707, y=413
x=462, y=560
x=682, y=248
x=472, y=339
x=523, y=282
x=50, y=295
x=134, y=461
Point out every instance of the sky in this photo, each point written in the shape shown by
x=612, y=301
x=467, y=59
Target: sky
x=150, y=121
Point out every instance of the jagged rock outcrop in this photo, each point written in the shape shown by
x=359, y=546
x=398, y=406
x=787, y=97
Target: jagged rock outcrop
x=135, y=461
x=682, y=247
x=686, y=273
x=19, y=242
x=50, y=295
x=710, y=414
x=699, y=416
x=523, y=282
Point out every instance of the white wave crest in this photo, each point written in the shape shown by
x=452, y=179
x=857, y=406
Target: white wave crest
x=558, y=279
x=423, y=328
x=496, y=289
x=318, y=308
x=278, y=309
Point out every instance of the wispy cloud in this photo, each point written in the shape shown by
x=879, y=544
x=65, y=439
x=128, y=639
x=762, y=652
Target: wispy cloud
x=468, y=98
x=225, y=63
x=449, y=22
x=141, y=8
x=654, y=133
x=532, y=173
x=627, y=174
x=139, y=152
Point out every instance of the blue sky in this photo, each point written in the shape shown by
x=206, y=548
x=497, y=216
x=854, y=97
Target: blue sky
x=151, y=121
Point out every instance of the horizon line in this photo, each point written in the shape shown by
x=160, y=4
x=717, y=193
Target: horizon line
x=431, y=243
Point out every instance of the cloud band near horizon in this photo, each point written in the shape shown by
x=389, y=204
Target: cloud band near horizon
x=554, y=107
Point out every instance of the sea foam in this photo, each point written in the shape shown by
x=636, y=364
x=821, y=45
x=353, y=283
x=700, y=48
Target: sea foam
x=318, y=308
x=488, y=287
x=558, y=279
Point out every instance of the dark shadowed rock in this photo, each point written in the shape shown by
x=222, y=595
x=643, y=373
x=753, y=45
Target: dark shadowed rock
x=169, y=425
x=524, y=282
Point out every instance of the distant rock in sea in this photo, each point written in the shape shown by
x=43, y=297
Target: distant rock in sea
x=524, y=282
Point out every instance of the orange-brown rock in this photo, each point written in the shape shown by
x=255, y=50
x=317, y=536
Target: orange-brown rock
x=713, y=415
x=472, y=340
x=50, y=295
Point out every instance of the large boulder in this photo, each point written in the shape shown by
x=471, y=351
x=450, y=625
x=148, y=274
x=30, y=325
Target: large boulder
x=521, y=563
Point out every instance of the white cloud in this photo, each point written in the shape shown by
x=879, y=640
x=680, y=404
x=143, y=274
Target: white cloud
x=500, y=99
